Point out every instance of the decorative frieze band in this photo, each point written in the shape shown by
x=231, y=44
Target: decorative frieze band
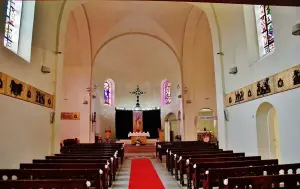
x=17, y=89
x=280, y=82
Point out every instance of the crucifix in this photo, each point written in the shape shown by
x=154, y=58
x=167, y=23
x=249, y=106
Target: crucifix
x=137, y=92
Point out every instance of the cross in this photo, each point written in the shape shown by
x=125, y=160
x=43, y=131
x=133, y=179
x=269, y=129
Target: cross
x=137, y=92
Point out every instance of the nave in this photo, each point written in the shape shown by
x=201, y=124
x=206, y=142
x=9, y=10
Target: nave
x=185, y=164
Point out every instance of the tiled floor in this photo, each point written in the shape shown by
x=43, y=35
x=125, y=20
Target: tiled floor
x=123, y=175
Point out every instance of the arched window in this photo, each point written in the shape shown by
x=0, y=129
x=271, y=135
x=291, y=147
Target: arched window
x=166, y=93
x=108, y=92
x=265, y=31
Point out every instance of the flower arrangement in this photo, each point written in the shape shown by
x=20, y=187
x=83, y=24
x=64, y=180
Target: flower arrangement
x=138, y=142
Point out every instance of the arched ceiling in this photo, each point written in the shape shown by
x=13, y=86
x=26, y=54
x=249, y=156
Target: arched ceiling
x=109, y=19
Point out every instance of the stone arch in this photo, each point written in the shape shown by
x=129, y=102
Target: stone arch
x=135, y=33
x=67, y=6
x=170, y=116
x=267, y=131
x=206, y=124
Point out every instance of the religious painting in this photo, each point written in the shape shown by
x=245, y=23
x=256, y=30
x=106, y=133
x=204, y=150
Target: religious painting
x=265, y=29
x=49, y=100
x=107, y=92
x=137, y=121
x=239, y=96
x=30, y=94
x=230, y=99
x=70, y=116
x=16, y=88
x=294, y=77
x=263, y=87
x=246, y=94
x=167, y=92
x=281, y=81
x=40, y=97
x=2, y=83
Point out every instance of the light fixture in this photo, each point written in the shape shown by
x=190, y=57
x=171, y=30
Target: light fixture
x=296, y=30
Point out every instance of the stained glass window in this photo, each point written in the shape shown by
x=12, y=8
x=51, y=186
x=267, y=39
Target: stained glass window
x=107, y=93
x=265, y=29
x=12, y=24
x=167, y=92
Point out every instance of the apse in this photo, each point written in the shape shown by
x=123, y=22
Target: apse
x=130, y=61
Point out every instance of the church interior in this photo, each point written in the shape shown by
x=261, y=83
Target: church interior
x=149, y=94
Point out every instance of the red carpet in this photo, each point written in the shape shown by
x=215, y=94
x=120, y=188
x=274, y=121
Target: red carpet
x=143, y=175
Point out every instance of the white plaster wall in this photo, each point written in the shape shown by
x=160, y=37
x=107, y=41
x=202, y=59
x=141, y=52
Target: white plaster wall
x=237, y=52
x=76, y=79
x=129, y=61
x=25, y=129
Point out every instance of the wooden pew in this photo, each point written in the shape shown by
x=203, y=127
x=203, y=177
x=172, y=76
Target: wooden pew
x=197, y=168
x=45, y=184
x=68, y=166
x=93, y=145
x=180, y=161
x=216, y=177
x=161, y=149
x=96, y=178
x=177, y=152
x=170, y=156
x=216, y=159
x=90, y=154
x=264, y=182
x=112, y=164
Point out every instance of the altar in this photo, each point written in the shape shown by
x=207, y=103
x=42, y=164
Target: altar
x=137, y=123
x=138, y=137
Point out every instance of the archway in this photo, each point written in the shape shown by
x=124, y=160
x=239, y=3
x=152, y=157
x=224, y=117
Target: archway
x=267, y=131
x=171, y=127
x=205, y=120
x=185, y=53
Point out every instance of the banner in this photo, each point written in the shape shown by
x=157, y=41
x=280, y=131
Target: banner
x=208, y=117
x=70, y=116
x=137, y=121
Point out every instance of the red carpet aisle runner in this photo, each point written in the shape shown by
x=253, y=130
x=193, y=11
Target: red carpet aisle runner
x=143, y=175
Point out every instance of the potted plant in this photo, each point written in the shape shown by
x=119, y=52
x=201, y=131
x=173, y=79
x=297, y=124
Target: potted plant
x=178, y=137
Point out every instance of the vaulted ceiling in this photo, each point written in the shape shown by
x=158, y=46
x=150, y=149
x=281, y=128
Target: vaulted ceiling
x=253, y=2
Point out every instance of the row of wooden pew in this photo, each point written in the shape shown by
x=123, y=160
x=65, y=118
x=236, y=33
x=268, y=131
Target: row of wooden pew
x=205, y=165
x=78, y=166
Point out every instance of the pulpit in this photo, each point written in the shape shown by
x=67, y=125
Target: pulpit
x=161, y=135
x=138, y=138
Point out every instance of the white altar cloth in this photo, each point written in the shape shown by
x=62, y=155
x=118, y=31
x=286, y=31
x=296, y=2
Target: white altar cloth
x=135, y=134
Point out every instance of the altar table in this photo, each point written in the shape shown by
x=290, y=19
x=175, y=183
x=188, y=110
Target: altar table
x=141, y=137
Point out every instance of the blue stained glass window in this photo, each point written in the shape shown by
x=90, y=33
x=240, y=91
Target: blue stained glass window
x=107, y=93
x=167, y=92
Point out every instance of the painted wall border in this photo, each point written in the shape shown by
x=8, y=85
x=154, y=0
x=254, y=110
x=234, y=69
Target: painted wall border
x=283, y=81
x=15, y=88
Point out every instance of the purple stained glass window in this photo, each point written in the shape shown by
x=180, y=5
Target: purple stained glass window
x=167, y=92
x=265, y=29
x=107, y=93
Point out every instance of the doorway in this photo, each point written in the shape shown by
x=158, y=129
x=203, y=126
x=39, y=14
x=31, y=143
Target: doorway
x=171, y=127
x=267, y=131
